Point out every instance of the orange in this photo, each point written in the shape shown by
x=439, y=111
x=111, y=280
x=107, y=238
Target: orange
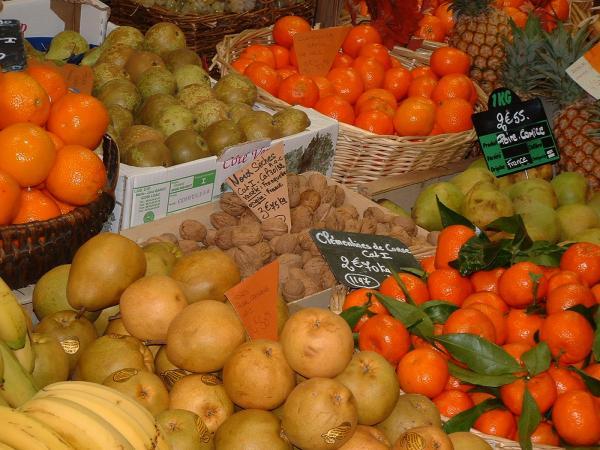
x=397, y=81
x=264, y=76
x=35, y=205
x=281, y=55
x=449, y=243
x=342, y=60
x=431, y=28
x=516, y=350
x=241, y=64
x=77, y=176
x=487, y=280
x=480, y=397
x=593, y=370
x=447, y=60
x=576, y=418
x=562, y=277
x=565, y=380
x=375, y=121
x=299, y=90
x=415, y=117
x=521, y=327
x=64, y=207
x=286, y=27
x=10, y=198
x=324, y=85
x=486, y=298
x=596, y=292
x=518, y=16
x=58, y=142
x=496, y=317
x=423, y=371
x=455, y=383
x=378, y=52
x=360, y=297
x=293, y=57
x=453, y=115
x=544, y=434
x=568, y=295
x=418, y=342
x=569, y=336
x=380, y=94
x=337, y=108
x=78, y=119
x=286, y=72
x=583, y=258
x=453, y=402
x=50, y=78
x=371, y=71
x=449, y=285
x=358, y=37
x=26, y=153
x=559, y=9
x=414, y=285
x=470, y=321
x=385, y=335
x=422, y=86
x=22, y=99
x=428, y=264
x=259, y=53
x=444, y=13
x=497, y=422
x=423, y=71
x=347, y=83
x=541, y=387
x=516, y=284
x=375, y=104
x=454, y=85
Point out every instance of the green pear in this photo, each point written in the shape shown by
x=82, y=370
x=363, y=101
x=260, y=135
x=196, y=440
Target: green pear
x=164, y=37
x=570, y=187
x=91, y=57
x=393, y=207
x=534, y=190
x=594, y=202
x=590, y=235
x=130, y=36
x=426, y=213
x=541, y=222
x=484, y=204
x=190, y=74
x=576, y=218
x=470, y=177
x=51, y=361
x=66, y=44
x=185, y=430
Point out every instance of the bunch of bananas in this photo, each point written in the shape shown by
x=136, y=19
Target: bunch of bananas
x=65, y=415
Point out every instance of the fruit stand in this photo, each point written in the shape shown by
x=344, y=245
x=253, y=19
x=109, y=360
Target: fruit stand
x=303, y=224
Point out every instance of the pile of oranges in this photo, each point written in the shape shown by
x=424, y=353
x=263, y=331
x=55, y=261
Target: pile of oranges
x=365, y=86
x=499, y=306
x=438, y=22
x=47, y=136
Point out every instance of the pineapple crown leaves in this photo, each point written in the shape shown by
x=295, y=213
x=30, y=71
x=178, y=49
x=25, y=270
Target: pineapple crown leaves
x=471, y=8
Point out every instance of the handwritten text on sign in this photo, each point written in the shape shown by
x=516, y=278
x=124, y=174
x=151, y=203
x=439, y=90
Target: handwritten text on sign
x=362, y=260
x=262, y=185
x=316, y=49
x=255, y=301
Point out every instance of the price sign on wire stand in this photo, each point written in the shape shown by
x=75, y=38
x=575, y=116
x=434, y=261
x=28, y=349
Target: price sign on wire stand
x=514, y=135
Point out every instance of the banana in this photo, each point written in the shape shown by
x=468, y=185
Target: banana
x=18, y=385
x=6, y=447
x=161, y=442
x=26, y=355
x=82, y=428
x=1, y=369
x=13, y=326
x=127, y=404
x=118, y=418
x=3, y=402
x=22, y=432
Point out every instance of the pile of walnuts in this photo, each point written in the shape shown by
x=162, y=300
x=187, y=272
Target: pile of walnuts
x=314, y=204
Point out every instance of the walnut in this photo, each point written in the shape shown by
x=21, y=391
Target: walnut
x=210, y=238
x=433, y=237
x=382, y=229
x=302, y=183
x=221, y=220
x=246, y=235
x=293, y=189
x=248, y=218
x=306, y=243
x=347, y=210
x=310, y=286
x=301, y=218
x=315, y=266
x=286, y=243
x=328, y=279
x=247, y=259
x=168, y=237
x=311, y=199
x=405, y=222
x=288, y=261
x=352, y=225
x=263, y=249
x=273, y=227
x=317, y=182
x=376, y=213
x=232, y=204
x=335, y=222
x=188, y=245
x=193, y=230
x=292, y=290
x=306, y=256
x=400, y=233
x=369, y=225
x=322, y=212
x=224, y=238
x=333, y=194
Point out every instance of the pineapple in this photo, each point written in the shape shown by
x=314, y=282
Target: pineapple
x=481, y=31
x=575, y=124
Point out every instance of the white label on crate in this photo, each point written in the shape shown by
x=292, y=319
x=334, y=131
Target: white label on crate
x=586, y=71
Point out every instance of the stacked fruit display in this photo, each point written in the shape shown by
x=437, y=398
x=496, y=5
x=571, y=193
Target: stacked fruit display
x=163, y=107
x=366, y=87
x=47, y=137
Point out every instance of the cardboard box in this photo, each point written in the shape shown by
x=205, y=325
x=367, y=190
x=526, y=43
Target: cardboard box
x=145, y=194
x=47, y=18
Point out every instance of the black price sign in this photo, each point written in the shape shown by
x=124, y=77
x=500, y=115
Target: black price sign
x=362, y=260
x=514, y=135
x=12, y=50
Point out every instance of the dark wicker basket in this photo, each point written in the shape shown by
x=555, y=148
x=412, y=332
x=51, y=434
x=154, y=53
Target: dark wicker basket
x=29, y=250
x=204, y=31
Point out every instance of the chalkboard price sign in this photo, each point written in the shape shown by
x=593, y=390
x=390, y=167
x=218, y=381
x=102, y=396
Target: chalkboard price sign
x=12, y=50
x=362, y=260
x=514, y=135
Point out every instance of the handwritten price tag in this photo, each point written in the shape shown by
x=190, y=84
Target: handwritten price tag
x=262, y=185
x=316, y=49
x=255, y=301
x=80, y=78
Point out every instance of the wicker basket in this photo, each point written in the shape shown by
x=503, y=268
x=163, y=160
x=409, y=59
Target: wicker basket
x=27, y=251
x=204, y=31
x=362, y=156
